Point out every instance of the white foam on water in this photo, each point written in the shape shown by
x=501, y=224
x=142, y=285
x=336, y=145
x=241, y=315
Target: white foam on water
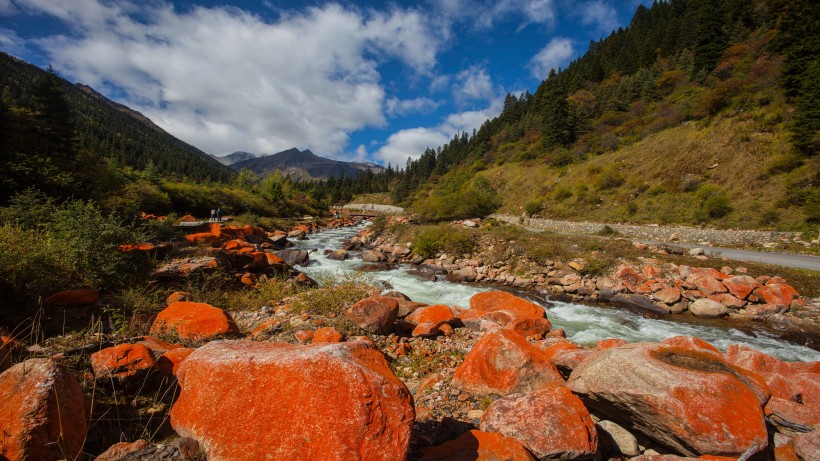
x=583, y=324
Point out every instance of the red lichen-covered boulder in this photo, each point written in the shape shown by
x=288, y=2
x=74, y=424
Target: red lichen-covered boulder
x=168, y=363
x=121, y=451
x=689, y=399
x=78, y=297
x=203, y=238
x=246, y=400
x=807, y=445
x=503, y=362
x=782, y=380
x=610, y=343
x=740, y=286
x=776, y=293
x=327, y=335
x=376, y=314
x=8, y=346
x=127, y=363
x=436, y=314
x=508, y=311
x=790, y=414
x=42, y=412
x=194, y=321
x=479, y=446
x=551, y=423
x=691, y=342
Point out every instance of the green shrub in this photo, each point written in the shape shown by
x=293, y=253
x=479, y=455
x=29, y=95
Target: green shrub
x=442, y=238
x=378, y=224
x=460, y=197
x=533, y=207
x=717, y=206
x=610, y=178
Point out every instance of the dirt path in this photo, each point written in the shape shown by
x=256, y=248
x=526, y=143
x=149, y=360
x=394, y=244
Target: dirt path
x=686, y=237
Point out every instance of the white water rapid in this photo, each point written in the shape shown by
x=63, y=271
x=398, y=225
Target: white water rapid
x=583, y=324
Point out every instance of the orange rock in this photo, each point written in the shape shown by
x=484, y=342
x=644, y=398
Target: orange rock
x=688, y=399
x=728, y=300
x=787, y=413
x=551, y=423
x=121, y=451
x=177, y=296
x=168, y=363
x=690, y=342
x=236, y=244
x=785, y=453
x=78, y=297
x=303, y=336
x=187, y=218
x=137, y=247
x=503, y=362
x=376, y=314
x=778, y=374
x=609, y=343
x=327, y=335
x=42, y=412
x=435, y=314
x=426, y=330
x=508, y=311
x=740, y=286
x=553, y=347
x=706, y=284
x=124, y=362
x=314, y=402
x=8, y=346
x=626, y=274
x=709, y=273
x=264, y=327
x=776, y=293
x=194, y=321
x=203, y=238
x=478, y=446
x=669, y=295
x=651, y=271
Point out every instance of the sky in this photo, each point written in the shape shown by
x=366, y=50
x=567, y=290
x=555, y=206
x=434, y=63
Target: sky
x=350, y=80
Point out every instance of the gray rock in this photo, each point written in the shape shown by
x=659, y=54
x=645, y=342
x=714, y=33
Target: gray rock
x=371, y=256
x=707, y=308
x=294, y=257
x=338, y=255
x=632, y=301
x=622, y=439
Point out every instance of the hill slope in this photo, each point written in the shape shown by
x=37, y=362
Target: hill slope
x=108, y=129
x=305, y=165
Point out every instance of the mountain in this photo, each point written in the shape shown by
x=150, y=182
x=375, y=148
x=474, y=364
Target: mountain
x=111, y=130
x=305, y=165
x=235, y=157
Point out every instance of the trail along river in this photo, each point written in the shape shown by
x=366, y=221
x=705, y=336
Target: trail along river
x=583, y=324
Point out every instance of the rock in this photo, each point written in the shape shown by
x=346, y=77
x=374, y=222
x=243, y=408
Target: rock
x=706, y=283
x=566, y=361
x=503, y=362
x=620, y=438
x=427, y=330
x=246, y=400
x=123, y=450
x=740, y=286
x=371, y=256
x=78, y=297
x=470, y=223
x=42, y=412
x=628, y=276
x=203, y=238
x=707, y=308
x=407, y=307
x=637, y=302
x=728, y=300
x=376, y=314
x=551, y=423
x=397, y=294
x=8, y=347
x=807, y=446
x=194, y=321
x=687, y=399
x=303, y=336
x=696, y=252
x=508, y=311
x=338, y=255
x=294, y=257
x=435, y=314
x=609, y=343
x=126, y=363
x=776, y=293
x=177, y=296
x=327, y=335
x=168, y=363
x=691, y=342
x=792, y=415
x=478, y=446
x=669, y=295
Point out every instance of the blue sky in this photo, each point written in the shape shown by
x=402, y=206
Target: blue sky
x=359, y=80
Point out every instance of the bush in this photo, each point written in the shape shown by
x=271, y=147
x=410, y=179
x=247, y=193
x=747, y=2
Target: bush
x=459, y=198
x=532, y=208
x=442, y=238
x=717, y=206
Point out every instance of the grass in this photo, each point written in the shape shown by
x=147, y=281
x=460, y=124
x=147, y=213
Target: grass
x=426, y=357
x=335, y=295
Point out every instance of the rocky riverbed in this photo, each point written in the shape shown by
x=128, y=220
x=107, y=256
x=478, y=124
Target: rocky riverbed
x=353, y=372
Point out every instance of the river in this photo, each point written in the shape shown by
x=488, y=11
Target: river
x=583, y=324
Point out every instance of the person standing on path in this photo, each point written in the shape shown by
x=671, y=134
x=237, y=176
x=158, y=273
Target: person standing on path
x=218, y=215
x=213, y=214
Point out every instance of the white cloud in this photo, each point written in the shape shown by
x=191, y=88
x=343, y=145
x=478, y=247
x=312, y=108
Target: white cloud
x=485, y=14
x=557, y=53
x=6, y=7
x=473, y=84
x=412, y=142
x=399, y=107
x=224, y=79
x=600, y=14
x=10, y=42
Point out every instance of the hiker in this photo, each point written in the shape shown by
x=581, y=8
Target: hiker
x=218, y=215
x=213, y=214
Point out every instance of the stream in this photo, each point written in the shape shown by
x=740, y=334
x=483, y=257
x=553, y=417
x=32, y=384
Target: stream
x=583, y=324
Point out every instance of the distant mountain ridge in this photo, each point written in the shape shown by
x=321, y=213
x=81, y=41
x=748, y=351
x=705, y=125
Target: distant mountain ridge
x=301, y=165
x=235, y=157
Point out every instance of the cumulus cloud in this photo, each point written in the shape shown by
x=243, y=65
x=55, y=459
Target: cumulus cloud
x=484, y=14
x=10, y=41
x=224, y=79
x=557, y=53
x=412, y=142
x=399, y=107
x=473, y=84
x=599, y=14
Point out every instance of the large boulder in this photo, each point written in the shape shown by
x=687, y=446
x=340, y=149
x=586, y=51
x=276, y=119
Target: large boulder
x=194, y=321
x=478, y=446
x=436, y=314
x=708, y=308
x=688, y=399
x=776, y=293
x=503, y=362
x=77, y=297
x=638, y=303
x=551, y=423
x=508, y=311
x=246, y=400
x=294, y=257
x=372, y=256
x=375, y=314
x=42, y=412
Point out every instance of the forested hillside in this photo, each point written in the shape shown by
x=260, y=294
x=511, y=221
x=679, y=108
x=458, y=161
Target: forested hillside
x=731, y=89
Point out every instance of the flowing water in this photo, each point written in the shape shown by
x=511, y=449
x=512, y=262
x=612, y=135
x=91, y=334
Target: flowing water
x=583, y=324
